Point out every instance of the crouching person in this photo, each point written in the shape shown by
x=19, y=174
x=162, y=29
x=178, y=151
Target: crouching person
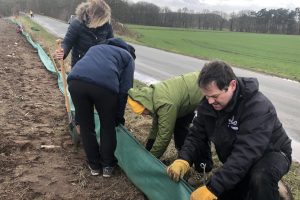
x=248, y=136
x=101, y=79
x=172, y=104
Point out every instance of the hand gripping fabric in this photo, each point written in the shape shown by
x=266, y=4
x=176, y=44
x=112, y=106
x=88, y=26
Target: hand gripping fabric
x=178, y=169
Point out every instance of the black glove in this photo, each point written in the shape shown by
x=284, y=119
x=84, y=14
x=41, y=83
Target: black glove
x=149, y=144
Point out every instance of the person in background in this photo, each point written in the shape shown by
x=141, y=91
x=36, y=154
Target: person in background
x=90, y=27
x=171, y=103
x=31, y=13
x=101, y=79
x=248, y=137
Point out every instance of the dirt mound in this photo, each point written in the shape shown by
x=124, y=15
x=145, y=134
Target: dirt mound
x=32, y=114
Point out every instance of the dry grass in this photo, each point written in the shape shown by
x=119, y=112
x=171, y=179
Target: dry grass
x=292, y=179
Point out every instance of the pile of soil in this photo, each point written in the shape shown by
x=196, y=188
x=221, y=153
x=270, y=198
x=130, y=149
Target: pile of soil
x=32, y=114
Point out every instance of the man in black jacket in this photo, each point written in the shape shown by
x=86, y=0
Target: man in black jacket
x=248, y=136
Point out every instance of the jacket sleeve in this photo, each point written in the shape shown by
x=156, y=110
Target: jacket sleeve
x=126, y=82
x=154, y=128
x=71, y=37
x=253, y=138
x=166, y=121
x=196, y=141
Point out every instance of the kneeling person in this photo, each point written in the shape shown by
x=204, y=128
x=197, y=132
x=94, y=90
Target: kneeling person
x=172, y=104
x=248, y=136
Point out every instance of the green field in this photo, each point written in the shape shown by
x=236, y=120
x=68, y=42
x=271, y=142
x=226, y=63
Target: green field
x=269, y=53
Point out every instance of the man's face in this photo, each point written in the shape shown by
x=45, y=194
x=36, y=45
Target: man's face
x=217, y=98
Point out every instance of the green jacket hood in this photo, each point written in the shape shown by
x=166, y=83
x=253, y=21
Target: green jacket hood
x=168, y=100
x=144, y=96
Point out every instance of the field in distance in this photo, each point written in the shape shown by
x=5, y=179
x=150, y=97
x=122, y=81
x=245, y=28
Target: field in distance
x=270, y=53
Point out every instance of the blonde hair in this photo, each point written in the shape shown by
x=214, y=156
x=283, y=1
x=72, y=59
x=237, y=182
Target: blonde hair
x=99, y=13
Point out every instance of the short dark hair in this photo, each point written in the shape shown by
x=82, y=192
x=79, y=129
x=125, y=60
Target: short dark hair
x=216, y=71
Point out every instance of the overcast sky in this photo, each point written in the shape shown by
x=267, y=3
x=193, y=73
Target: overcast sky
x=225, y=5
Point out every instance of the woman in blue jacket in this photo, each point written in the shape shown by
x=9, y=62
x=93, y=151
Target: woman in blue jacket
x=101, y=79
x=90, y=27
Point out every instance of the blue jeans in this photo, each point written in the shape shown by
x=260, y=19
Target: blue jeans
x=261, y=182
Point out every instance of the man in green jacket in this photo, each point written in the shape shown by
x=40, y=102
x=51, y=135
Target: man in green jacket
x=171, y=103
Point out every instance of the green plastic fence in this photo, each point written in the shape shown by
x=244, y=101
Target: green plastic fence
x=141, y=167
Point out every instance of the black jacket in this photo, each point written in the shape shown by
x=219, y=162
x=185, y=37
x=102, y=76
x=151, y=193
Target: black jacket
x=242, y=133
x=80, y=38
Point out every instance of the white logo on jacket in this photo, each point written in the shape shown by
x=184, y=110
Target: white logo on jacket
x=195, y=115
x=233, y=124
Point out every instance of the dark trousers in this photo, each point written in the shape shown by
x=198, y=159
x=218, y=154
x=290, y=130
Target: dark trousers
x=181, y=129
x=85, y=96
x=261, y=183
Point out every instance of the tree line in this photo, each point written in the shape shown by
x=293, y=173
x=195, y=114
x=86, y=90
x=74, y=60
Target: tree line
x=278, y=21
x=282, y=21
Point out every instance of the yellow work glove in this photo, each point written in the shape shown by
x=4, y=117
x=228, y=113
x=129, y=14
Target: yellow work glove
x=178, y=169
x=202, y=193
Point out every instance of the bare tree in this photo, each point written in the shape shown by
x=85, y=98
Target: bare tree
x=282, y=21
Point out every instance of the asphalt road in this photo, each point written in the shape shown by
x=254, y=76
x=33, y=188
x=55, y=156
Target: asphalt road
x=153, y=65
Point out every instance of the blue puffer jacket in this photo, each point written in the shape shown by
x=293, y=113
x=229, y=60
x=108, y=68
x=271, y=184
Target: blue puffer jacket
x=109, y=65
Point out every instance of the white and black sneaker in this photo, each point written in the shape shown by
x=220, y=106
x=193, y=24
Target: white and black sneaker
x=108, y=171
x=95, y=172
